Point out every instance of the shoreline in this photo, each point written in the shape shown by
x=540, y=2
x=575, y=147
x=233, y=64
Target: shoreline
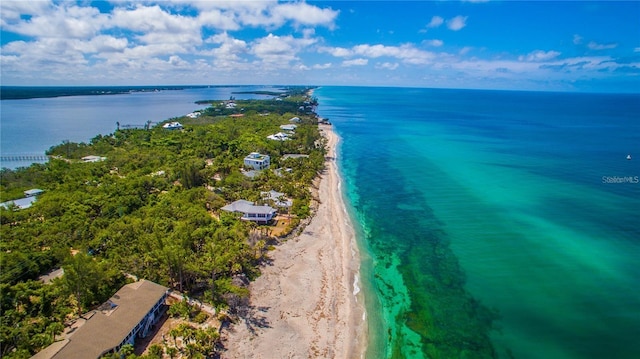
x=307, y=302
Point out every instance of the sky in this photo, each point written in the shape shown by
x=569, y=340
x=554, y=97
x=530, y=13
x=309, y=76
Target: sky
x=591, y=46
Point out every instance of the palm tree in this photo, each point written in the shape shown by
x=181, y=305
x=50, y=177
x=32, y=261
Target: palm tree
x=171, y=352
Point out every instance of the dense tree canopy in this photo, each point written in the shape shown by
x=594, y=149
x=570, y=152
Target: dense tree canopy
x=150, y=209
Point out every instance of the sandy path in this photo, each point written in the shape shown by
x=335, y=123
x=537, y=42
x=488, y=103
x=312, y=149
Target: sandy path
x=304, y=304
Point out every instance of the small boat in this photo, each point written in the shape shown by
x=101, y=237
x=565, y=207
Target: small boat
x=629, y=157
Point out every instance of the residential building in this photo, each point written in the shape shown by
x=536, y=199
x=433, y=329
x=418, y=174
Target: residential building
x=172, y=126
x=128, y=315
x=93, y=158
x=279, y=137
x=257, y=161
x=32, y=192
x=290, y=127
x=250, y=212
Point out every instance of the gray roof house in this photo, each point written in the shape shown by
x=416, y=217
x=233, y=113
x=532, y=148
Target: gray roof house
x=129, y=314
x=22, y=203
x=250, y=212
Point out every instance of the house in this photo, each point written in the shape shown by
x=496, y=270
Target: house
x=257, y=161
x=128, y=315
x=295, y=120
x=250, y=212
x=279, y=137
x=32, y=192
x=93, y=158
x=230, y=105
x=278, y=199
x=172, y=126
x=21, y=203
x=288, y=127
x=193, y=114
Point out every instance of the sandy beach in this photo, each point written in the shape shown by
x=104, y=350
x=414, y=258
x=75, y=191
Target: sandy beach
x=305, y=303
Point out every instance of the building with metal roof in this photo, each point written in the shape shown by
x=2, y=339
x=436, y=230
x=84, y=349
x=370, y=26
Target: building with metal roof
x=128, y=315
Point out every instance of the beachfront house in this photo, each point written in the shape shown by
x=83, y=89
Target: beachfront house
x=93, y=158
x=172, y=126
x=22, y=203
x=295, y=120
x=129, y=314
x=290, y=127
x=251, y=212
x=33, y=192
x=257, y=161
x=279, y=137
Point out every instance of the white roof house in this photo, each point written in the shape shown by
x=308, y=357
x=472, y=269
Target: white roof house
x=295, y=120
x=21, y=203
x=290, y=127
x=250, y=212
x=172, y=126
x=279, y=137
x=257, y=161
x=93, y=158
x=32, y=192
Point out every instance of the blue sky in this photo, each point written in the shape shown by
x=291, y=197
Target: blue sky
x=521, y=45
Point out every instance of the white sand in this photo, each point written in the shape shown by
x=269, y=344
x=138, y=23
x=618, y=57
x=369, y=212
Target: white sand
x=303, y=303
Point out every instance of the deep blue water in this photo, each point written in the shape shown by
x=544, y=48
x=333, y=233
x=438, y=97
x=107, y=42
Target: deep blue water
x=490, y=209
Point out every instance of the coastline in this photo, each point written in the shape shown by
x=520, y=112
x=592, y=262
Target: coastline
x=307, y=302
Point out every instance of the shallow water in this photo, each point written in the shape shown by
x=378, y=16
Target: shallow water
x=495, y=209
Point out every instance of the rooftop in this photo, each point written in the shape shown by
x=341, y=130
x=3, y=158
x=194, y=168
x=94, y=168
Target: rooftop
x=244, y=206
x=106, y=329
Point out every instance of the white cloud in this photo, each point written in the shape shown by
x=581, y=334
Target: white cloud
x=355, y=62
x=322, y=66
x=387, y=65
x=228, y=54
x=457, y=23
x=218, y=19
x=279, y=50
x=407, y=53
x=637, y=49
x=595, y=46
x=177, y=61
x=465, y=50
x=435, y=22
x=434, y=42
x=539, y=56
x=304, y=14
x=69, y=22
x=577, y=39
x=336, y=51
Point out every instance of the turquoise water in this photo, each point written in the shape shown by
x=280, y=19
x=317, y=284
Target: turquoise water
x=499, y=224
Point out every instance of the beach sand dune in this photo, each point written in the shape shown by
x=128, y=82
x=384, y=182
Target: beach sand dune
x=303, y=305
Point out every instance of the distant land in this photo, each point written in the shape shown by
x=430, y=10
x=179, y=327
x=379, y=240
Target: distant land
x=27, y=92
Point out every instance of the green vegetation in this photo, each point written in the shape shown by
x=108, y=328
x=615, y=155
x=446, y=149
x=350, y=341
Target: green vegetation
x=151, y=209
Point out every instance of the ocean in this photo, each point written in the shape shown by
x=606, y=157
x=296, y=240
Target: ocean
x=491, y=223
x=494, y=223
